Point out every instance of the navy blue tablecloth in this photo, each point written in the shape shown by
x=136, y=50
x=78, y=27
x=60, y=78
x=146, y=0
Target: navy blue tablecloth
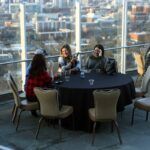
x=77, y=92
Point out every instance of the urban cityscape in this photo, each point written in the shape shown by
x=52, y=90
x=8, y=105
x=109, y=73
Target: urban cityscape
x=51, y=23
x=74, y=74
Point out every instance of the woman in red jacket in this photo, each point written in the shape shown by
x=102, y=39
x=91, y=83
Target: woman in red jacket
x=38, y=77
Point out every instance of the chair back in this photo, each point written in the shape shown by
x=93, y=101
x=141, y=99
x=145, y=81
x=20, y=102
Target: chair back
x=111, y=66
x=145, y=85
x=14, y=91
x=105, y=103
x=48, y=99
x=12, y=80
x=140, y=63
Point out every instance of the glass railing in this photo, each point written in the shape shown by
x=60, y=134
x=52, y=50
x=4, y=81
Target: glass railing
x=51, y=24
x=15, y=66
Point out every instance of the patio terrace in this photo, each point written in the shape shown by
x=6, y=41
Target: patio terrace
x=134, y=137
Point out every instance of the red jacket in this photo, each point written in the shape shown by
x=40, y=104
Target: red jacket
x=42, y=80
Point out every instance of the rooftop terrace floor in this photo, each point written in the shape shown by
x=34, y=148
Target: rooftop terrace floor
x=136, y=137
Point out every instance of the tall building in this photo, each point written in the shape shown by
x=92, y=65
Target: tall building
x=85, y=2
x=63, y=3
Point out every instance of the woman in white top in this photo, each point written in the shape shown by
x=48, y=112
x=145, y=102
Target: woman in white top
x=66, y=61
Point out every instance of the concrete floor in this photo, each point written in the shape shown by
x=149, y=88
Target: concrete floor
x=136, y=137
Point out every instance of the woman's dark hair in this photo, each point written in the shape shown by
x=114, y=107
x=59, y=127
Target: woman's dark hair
x=68, y=49
x=100, y=47
x=38, y=65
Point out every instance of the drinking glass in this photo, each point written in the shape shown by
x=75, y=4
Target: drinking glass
x=82, y=74
x=67, y=76
x=91, y=81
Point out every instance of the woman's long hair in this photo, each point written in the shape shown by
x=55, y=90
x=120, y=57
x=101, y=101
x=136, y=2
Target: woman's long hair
x=38, y=65
x=66, y=46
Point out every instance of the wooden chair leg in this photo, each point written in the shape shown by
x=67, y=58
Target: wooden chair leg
x=18, y=121
x=14, y=114
x=147, y=115
x=60, y=136
x=93, y=138
x=132, y=120
x=119, y=136
x=39, y=126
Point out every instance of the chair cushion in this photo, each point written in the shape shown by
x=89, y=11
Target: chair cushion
x=143, y=103
x=29, y=105
x=139, y=92
x=65, y=111
x=103, y=118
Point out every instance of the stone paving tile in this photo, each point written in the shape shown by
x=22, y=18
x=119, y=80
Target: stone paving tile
x=134, y=137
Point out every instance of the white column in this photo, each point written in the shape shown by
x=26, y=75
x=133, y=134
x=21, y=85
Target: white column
x=41, y=6
x=23, y=42
x=60, y=5
x=78, y=29
x=124, y=37
x=9, y=4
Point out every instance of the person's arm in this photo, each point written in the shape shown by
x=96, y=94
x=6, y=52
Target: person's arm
x=75, y=65
x=50, y=68
x=62, y=64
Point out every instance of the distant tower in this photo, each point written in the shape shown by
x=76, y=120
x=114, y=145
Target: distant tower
x=41, y=5
x=58, y=3
x=37, y=1
x=63, y=3
x=85, y=2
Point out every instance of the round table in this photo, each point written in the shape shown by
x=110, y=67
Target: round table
x=77, y=92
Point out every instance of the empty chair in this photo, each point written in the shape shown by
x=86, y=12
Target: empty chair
x=142, y=104
x=144, y=90
x=49, y=107
x=23, y=105
x=105, y=109
x=140, y=64
x=21, y=95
